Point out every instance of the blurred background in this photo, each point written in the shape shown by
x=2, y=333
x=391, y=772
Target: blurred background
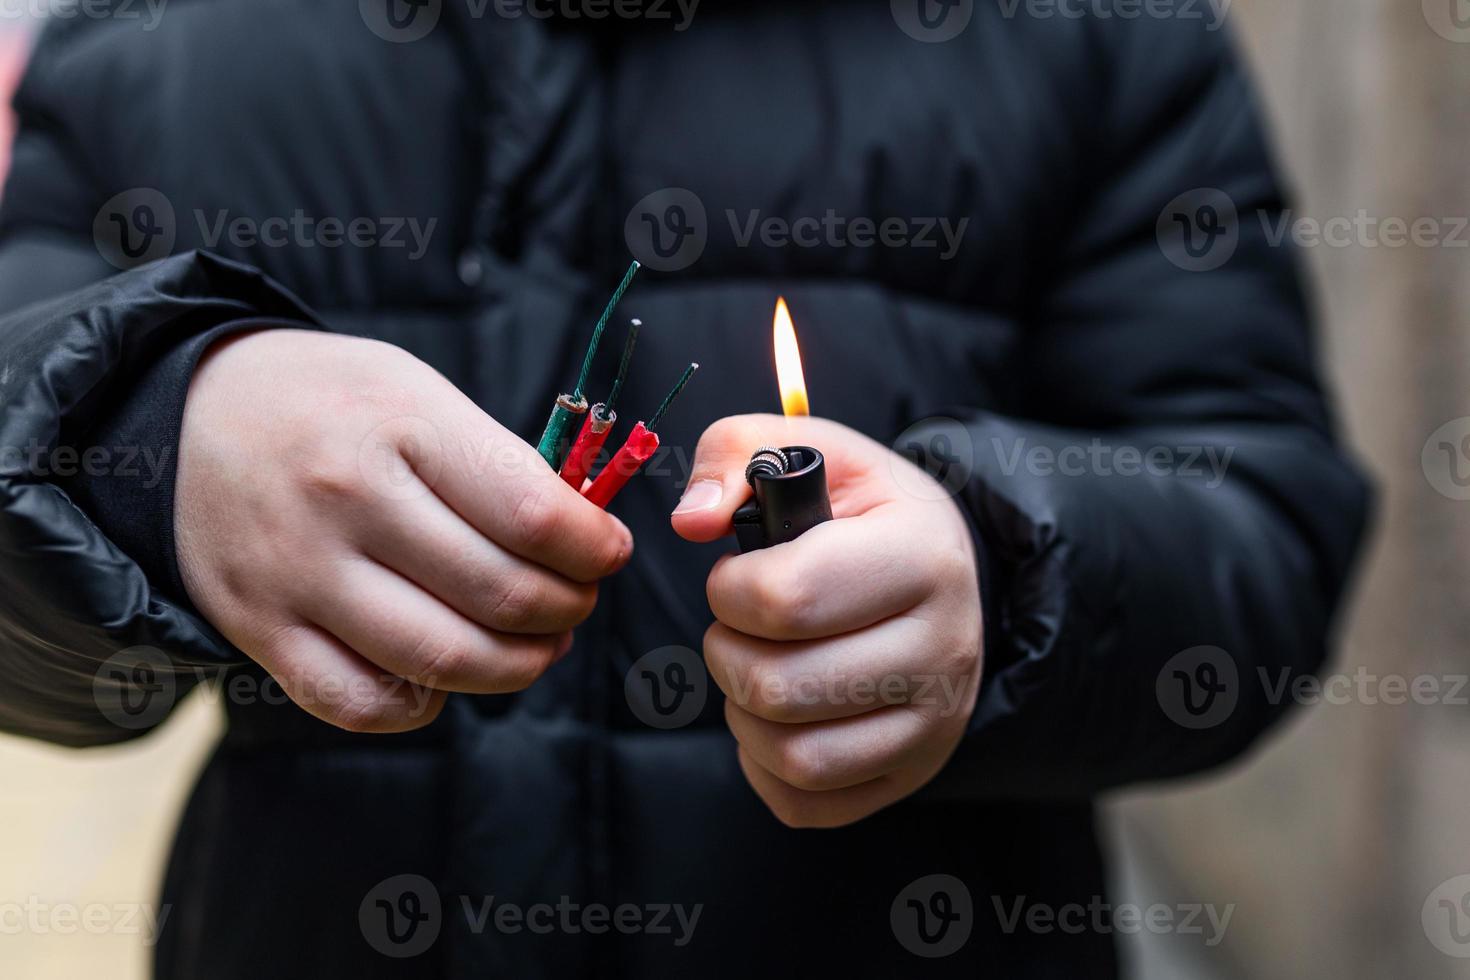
x=1329, y=840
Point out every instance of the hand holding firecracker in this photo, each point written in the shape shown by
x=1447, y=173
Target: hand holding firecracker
x=850, y=655
x=376, y=549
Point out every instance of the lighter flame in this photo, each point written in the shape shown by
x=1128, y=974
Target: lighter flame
x=788, y=363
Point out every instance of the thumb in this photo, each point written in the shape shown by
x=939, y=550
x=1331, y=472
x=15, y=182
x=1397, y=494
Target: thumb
x=717, y=484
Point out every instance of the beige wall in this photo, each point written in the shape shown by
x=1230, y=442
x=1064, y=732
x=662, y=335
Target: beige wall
x=1330, y=839
x=92, y=829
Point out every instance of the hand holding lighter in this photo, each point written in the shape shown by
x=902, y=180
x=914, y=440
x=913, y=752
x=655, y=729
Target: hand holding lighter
x=790, y=487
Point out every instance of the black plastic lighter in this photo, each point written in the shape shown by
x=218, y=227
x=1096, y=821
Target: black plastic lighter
x=790, y=487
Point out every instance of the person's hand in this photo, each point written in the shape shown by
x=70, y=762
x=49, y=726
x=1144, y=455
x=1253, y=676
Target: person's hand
x=850, y=657
x=352, y=522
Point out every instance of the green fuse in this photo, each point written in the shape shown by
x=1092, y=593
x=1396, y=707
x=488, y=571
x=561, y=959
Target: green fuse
x=569, y=408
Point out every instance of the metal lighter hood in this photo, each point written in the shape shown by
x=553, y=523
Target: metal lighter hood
x=790, y=497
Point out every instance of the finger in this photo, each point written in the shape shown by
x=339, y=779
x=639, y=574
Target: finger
x=424, y=540
x=717, y=485
x=406, y=631
x=886, y=664
x=331, y=682
x=839, y=576
x=502, y=487
x=828, y=755
x=830, y=808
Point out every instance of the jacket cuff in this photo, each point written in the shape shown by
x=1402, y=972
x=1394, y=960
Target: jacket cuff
x=126, y=473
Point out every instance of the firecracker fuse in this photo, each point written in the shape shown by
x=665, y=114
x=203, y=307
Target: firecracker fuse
x=599, y=422
x=569, y=407
x=636, y=450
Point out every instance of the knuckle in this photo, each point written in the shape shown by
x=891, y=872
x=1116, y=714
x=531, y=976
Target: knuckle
x=732, y=430
x=330, y=479
x=716, y=435
x=609, y=549
x=536, y=519
x=438, y=656
x=783, y=599
x=762, y=686
x=364, y=715
x=515, y=602
x=384, y=400
x=716, y=659
x=799, y=757
x=952, y=565
x=772, y=699
x=731, y=670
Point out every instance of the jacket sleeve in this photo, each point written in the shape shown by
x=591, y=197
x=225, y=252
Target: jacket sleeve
x=91, y=650
x=1166, y=521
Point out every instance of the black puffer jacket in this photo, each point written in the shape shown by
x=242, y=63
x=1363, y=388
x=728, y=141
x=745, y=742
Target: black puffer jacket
x=1071, y=324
